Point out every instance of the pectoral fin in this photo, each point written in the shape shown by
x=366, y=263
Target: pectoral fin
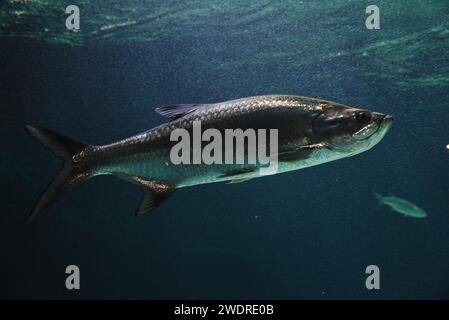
x=154, y=193
x=300, y=152
x=289, y=156
x=239, y=180
x=237, y=173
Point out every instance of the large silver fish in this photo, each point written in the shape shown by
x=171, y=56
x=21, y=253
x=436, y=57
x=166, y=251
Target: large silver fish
x=310, y=132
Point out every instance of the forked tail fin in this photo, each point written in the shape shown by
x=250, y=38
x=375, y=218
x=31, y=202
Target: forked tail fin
x=72, y=173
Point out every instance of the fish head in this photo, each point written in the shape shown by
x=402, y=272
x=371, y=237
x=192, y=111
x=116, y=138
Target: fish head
x=350, y=130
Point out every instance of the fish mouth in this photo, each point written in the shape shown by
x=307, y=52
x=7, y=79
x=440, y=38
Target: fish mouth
x=384, y=124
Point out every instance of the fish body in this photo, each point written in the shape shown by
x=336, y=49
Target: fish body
x=310, y=132
x=402, y=206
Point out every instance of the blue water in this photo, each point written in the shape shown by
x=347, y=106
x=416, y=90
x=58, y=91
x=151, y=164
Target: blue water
x=299, y=235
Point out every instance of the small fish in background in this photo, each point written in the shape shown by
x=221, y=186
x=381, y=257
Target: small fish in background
x=402, y=206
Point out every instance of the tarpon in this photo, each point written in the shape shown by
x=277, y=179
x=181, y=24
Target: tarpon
x=310, y=132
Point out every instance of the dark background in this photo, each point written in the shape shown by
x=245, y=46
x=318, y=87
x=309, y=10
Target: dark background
x=316, y=229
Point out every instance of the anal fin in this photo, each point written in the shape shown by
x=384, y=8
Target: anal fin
x=154, y=193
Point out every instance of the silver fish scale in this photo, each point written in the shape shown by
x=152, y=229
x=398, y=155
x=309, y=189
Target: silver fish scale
x=306, y=137
x=147, y=154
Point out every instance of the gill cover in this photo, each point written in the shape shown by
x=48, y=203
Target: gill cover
x=341, y=121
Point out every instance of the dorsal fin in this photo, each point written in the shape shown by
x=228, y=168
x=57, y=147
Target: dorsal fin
x=177, y=111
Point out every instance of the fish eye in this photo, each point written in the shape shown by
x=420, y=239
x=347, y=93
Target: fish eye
x=363, y=117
